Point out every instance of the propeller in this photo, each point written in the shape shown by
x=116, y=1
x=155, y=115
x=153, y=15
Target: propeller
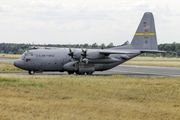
x=45, y=45
x=84, y=52
x=70, y=53
x=33, y=47
x=78, y=55
x=83, y=55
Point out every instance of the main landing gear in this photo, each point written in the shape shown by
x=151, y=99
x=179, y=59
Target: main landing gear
x=69, y=72
x=82, y=73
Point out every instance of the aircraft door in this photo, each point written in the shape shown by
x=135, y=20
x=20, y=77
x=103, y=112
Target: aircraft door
x=42, y=66
x=57, y=64
x=30, y=64
x=60, y=64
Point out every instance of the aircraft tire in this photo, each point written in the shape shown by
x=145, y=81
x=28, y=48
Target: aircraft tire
x=78, y=73
x=89, y=73
x=70, y=73
x=31, y=72
x=82, y=73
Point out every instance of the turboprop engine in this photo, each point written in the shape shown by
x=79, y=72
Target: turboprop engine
x=90, y=56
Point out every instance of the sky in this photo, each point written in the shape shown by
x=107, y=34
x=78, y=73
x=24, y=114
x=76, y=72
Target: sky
x=85, y=21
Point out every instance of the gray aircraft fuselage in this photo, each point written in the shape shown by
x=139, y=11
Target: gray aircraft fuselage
x=87, y=61
x=54, y=60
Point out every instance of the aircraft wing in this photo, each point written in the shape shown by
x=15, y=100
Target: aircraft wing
x=118, y=51
x=129, y=51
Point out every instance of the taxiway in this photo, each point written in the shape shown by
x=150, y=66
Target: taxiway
x=126, y=70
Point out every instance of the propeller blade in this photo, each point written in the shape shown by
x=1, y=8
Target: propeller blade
x=86, y=61
x=71, y=53
x=81, y=59
x=84, y=53
x=45, y=45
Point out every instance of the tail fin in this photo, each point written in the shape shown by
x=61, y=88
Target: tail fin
x=145, y=36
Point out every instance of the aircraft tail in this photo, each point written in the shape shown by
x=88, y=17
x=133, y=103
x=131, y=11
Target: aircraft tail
x=145, y=36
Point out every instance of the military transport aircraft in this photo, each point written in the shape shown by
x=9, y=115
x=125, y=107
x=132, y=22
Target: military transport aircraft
x=87, y=61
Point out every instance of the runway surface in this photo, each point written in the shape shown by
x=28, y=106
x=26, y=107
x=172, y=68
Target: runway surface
x=126, y=70
x=6, y=60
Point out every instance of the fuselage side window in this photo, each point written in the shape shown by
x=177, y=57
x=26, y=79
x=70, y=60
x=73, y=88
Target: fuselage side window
x=28, y=60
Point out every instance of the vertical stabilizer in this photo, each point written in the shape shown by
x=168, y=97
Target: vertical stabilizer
x=145, y=36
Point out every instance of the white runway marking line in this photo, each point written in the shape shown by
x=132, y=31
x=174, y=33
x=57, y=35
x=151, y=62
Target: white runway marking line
x=146, y=73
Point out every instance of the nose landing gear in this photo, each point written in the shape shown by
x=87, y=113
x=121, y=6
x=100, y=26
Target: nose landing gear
x=31, y=72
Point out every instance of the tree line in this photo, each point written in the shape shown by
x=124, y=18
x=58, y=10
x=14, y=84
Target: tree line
x=11, y=48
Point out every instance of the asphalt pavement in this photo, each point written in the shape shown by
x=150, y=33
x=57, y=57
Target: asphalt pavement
x=126, y=70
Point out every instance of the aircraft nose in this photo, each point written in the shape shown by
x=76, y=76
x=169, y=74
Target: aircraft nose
x=18, y=63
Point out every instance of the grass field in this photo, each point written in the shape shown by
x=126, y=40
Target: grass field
x=89, y=97
x=163, y=62
x=10, y=56
x=9, y=68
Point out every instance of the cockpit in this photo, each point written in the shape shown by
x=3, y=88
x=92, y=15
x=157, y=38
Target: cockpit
x=26, y=54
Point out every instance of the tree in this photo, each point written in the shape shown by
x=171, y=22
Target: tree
x=103, y=45
x=95, y=45
x=125, y=43
x=110, y=45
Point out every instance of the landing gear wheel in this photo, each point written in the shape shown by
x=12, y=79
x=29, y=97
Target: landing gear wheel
x=89, y=73
x=31, y=72
x=78, y=73
x=82, y=73
x=69, y=72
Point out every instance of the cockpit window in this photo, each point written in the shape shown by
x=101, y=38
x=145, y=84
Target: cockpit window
x=29, y=54
x=24, y=54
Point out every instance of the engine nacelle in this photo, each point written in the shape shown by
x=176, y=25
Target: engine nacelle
x=93, y=54
x=71, y=66
x=77, y=54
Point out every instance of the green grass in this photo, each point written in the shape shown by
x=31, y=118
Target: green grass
x=31, y=84
x=8, y=80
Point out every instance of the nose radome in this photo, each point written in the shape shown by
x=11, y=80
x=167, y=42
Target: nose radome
x=18, y=63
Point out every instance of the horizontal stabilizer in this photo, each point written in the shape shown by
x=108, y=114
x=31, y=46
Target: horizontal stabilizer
x=153, y=51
